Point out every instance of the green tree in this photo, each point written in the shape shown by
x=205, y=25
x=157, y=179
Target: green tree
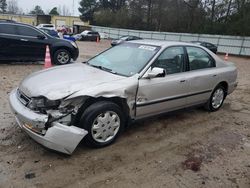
x=114, y=5
x=229, y=17
x=37, y=11
x=87, y=9
x=54, y=11
x=3, y=6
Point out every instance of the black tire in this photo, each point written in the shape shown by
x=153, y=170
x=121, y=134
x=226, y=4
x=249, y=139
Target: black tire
x=209, y=105
x=90, y=115
x=59, y=52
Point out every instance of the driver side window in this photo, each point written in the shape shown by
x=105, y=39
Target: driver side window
x=171, y=60
x=27, y=31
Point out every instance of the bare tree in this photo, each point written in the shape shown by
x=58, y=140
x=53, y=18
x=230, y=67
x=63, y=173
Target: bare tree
x=3, y=6
x=228, y=10
x=198, y=16
x=192, y=6
x=213, y=11
x=64, y=11
x=13, y=7
x=149, y=6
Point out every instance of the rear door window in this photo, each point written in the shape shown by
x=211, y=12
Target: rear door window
x=199, y=59
x=28, y=31
x=8, y=29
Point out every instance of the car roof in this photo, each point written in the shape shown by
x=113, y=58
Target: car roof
x=161, y=43
x=128, y=36
x=15, y=23
x=201, y=42
x=7, y=21
x=197, y=42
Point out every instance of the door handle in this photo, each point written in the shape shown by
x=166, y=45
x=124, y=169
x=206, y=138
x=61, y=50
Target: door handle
x=24, y=40
x=214, y=75
x=183, y=81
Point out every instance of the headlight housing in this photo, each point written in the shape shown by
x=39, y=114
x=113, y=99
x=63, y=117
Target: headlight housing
x=71, y=104
x=74, y=44
x=42, y=103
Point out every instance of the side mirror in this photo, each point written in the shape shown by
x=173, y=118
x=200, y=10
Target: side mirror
x=155, y=72
x=41, y=37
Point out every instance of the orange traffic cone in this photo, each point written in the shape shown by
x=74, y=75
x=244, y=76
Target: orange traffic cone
x=226, y=57
x=47, y=62
x=97, y=39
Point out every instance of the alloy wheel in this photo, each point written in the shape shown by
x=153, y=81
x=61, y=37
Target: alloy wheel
x=217, y=98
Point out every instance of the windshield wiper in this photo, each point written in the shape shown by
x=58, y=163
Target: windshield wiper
x=103, y=68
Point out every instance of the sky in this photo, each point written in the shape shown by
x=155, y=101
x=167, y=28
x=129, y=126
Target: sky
x=47, y=5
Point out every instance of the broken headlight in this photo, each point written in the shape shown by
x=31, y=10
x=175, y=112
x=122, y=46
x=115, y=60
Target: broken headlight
x=43, y=103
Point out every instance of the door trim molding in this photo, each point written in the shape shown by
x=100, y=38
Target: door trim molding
x=170, y=99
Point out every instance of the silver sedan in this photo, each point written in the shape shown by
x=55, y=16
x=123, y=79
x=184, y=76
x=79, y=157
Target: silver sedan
x=94, y=101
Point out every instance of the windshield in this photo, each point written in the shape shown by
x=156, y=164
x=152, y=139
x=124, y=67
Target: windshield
x=85, y=32
x=126, y=59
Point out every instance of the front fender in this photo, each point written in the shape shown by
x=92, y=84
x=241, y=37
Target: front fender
x=126, y=89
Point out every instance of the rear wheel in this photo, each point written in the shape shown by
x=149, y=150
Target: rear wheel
x=62, y=57
x=217, y=98
x=104, y=122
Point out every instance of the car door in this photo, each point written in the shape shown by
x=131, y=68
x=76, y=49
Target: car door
x=202, y=75
x=8, y=41
x=165, y=93
x=32, y=43
x=89, y=36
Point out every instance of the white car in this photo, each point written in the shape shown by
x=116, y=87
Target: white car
x=47, y=26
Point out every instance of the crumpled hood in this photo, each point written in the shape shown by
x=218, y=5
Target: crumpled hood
x=62, y=81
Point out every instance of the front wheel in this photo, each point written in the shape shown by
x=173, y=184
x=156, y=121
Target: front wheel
x=104, y=122
x=216, y=100
x=62, y=57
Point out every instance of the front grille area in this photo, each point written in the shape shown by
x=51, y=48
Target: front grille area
x=23, y=98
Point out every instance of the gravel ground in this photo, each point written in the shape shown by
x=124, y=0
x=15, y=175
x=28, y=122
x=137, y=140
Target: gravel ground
x=189, y=148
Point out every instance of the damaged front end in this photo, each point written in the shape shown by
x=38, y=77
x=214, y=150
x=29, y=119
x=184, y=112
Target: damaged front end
x=49, y=122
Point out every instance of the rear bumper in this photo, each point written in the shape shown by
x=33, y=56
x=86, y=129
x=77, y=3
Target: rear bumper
x=57, y=137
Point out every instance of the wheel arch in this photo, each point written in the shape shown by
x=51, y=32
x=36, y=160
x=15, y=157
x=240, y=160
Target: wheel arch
x=121, y=102
x=208, y=105
x=223, y=84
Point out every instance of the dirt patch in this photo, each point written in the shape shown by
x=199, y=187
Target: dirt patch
x=193, y=163
x=153, y=153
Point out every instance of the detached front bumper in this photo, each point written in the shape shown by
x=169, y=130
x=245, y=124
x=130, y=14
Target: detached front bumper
x=57, y=137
